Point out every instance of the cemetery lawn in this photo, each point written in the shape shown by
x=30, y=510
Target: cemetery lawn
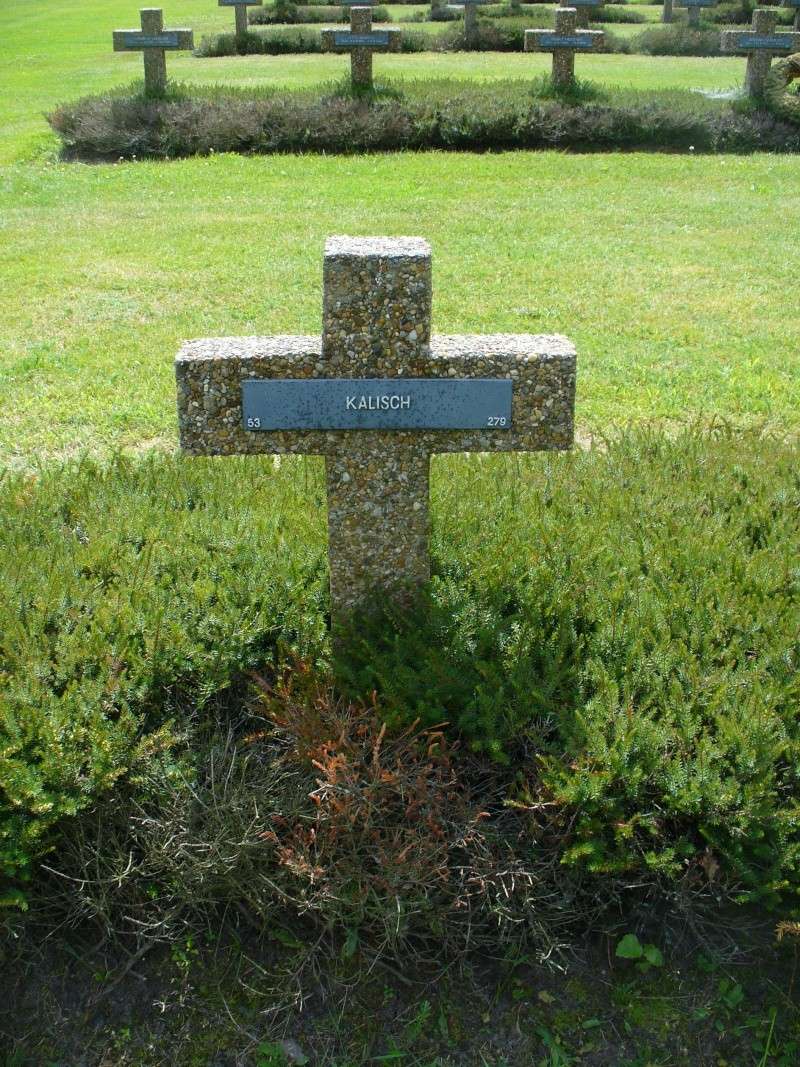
x=670, y=272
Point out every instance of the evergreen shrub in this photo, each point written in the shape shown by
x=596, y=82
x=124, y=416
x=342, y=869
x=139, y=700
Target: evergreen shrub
x=618, y=650
x=676, y=40
x=622, y=14
x=454, y=116
x=286, y=40
x=290, y=13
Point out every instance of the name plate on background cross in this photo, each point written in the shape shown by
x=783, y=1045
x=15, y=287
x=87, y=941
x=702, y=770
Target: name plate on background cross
x=698, y=3
x=377, y=404
x=137, y=40
x=562, y=40
x=353, y=40
x=775, y=42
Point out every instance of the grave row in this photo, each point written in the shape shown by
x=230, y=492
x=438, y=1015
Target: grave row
x=759, y=43
x=583, y=8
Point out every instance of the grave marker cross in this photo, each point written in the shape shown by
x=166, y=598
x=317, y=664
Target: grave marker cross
x=377, y=396
x=154, y=41
x=694, y=9
x=361, y=41
x=471, y=19
x=564, y=43
x=796, y=5
x=583, y=8
x=240, y=9
x=761, y=44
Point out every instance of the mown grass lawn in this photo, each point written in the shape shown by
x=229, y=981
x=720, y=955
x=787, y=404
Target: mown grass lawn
x=671, y=273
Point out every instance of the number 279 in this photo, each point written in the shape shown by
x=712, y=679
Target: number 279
x=496, y=420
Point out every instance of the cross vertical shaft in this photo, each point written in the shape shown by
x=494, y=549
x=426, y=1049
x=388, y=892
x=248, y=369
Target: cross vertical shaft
x=378, y=525
x=470, y=22
x=563, y=58
x=155, y=60
x=361, y=58
x=758, y=63
x=376, y=324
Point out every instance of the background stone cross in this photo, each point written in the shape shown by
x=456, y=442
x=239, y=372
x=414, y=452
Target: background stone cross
x=375, y=347
x=760, y=43
x=361, y=41
x=796, y=5
x=471, y=19
x=583, y=8
x=240, y=8
x=154, y=41
x=564, y=42
x=694, y=9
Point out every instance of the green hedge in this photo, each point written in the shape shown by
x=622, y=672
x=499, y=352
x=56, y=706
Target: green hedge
x=455, y=117
x=286, y=40
x=273, y=14
x=623, y=635
x=676, y=40
x=492, y=35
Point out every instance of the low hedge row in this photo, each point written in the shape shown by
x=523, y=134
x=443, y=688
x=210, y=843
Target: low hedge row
x=289, y=13
x=492, y=35
x=112, y=127
x=632, y=687
x=285, y=40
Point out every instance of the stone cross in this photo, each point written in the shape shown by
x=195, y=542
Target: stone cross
x=154, y=41
x=760, y=44
x=796, y=5
x=564, y=43
x=377, y=396
x=583, y=8
x=666, y=11
x=240, y=8
x=694, y=9
x=361, y=42
x=471, y=19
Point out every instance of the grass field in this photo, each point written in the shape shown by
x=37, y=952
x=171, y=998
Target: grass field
x=671, y=273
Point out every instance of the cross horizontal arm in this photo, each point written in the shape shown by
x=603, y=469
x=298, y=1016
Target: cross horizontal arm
x=749, y=40
x=210, y=374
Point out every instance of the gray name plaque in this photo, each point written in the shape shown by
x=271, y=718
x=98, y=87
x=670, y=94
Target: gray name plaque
x=136, y=41
x=563, y=40
x=363, y=40
x=774, y=42
x=377, y=404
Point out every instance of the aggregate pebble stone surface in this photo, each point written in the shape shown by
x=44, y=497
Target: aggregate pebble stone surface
x=567, y=24
x=361, y=56
x=376, y=324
